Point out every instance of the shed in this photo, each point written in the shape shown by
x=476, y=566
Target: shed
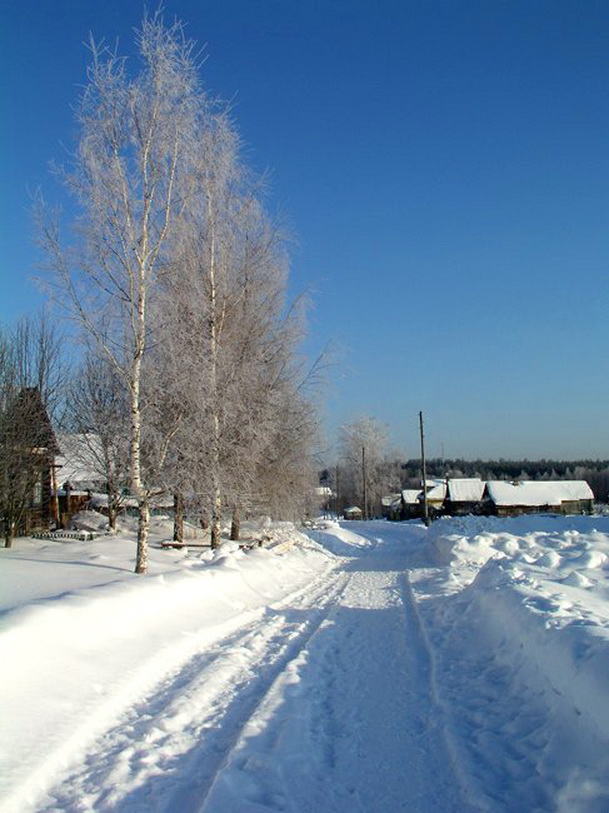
x=352, y=512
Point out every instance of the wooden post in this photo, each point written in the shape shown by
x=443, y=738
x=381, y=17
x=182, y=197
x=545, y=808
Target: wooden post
x=423, y=473
x=55, y=497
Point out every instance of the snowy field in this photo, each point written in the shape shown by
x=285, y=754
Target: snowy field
x=364, y=667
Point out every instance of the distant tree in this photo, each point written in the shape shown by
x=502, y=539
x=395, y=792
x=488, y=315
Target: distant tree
x=363, y=446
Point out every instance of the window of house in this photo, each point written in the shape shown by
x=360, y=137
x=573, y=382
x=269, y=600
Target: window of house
x=37, y=492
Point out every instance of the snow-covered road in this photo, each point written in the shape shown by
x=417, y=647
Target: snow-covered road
x=370, y=667
x=351, y=722
x=323, y=702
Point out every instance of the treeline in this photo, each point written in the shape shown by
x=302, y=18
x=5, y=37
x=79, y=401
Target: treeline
x=174, y=275
x=594, y=472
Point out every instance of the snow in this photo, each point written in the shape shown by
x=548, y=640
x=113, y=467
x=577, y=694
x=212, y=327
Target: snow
x=521, y=640
x=411, y=495
x=436, y=491
x=536, y=493
x=364, y=666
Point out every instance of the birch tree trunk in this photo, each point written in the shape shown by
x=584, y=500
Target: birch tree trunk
x=216, y=494
x=137, y=488
x=142, y=535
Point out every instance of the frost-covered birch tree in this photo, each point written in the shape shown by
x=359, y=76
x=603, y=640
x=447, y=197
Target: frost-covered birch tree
x=176, y=277
x=131, y=177
x=205, y=303
x=233, y=339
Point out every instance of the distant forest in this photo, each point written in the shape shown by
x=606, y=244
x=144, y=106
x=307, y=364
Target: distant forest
x=594, y=472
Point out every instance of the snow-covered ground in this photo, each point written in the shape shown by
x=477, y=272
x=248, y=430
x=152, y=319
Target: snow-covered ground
x=364, y=667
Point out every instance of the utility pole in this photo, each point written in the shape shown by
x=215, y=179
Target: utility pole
x=364, y=482
x=337, y=493
x=423, y=473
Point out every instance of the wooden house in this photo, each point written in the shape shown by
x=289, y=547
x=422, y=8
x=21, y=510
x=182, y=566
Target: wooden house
x=29, y=449
x=464, y=496
x=391, y=506
x=436, y=495
x=410, y=504
x=353, y=512
x=510, y=498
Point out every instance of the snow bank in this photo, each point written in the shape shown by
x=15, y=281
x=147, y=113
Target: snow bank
x=338, y=539
x=523, y=610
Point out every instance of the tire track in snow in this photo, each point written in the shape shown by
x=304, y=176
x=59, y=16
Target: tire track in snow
x=350, y=723
x=166, y=751
x=434, y=724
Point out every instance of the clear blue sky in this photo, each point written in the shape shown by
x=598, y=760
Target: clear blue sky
x=446, y=168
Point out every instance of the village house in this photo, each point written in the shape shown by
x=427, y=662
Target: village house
x=436, y=495
x=505, y=498
x=461, y=496
x=464, y=496
x=411, y=507
x=391, y=506
x=29, y=449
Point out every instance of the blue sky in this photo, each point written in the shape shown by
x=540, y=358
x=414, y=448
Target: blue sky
x=445, y=166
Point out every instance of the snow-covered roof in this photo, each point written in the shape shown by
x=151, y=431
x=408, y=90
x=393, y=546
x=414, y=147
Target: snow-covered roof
x=538, y=492
x=78, y=461
x=465, y=489
x=390, y=499
x=437, y=491
x=411, y=495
